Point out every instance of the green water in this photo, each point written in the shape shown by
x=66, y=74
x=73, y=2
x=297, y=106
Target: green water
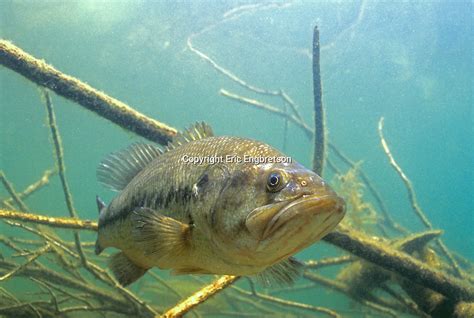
x=410, y=62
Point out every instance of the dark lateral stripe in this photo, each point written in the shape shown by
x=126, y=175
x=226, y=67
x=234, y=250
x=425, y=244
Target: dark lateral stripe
x=160, y=200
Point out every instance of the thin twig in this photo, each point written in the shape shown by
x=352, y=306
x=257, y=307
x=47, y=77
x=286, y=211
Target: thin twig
x=404, y=301
x=269, y=108
x=95, y=270
x=344, y=289
x=413, y=201
x=57, y=278
x=287, y=303
x=50, y=291
x=30, y=260
x=32, y=188
x=164, y=283
x=62, y=170
x=9, y=187
x=228, y=73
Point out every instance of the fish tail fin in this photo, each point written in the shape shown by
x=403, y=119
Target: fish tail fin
x=125, y=271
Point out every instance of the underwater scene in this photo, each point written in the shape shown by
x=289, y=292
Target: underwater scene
x=236, y=159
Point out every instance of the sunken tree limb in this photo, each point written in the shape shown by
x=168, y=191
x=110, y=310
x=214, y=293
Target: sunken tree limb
x=71, y=88
x=319, y=130
x=198, y=297
x=124, y=116
x=58, y=222
x=400, y=263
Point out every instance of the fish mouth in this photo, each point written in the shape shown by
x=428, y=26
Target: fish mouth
x=267, y=220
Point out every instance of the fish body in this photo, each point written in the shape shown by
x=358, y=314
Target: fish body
x=212, y=205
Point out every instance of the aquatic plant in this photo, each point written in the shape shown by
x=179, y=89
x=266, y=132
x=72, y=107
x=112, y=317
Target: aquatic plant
x=361, y=213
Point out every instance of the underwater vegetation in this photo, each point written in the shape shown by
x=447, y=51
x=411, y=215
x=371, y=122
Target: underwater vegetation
x=384, y=268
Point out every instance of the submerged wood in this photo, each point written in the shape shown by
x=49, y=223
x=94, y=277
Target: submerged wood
x=43, y=74
x=65, y=223
x=58, y=150
x=124, y=116
x=14, y=195
x=348, y=239
x=389, y=258
x=121, y=304
x=319, y=124
x=32, y=188
x=200, y=296
x=413, y=201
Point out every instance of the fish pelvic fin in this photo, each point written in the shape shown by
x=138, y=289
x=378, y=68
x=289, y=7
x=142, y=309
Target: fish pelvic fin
x=159, y=235
x=119, y=168
x=124, y=270
x=283, y=273
x=199, y=130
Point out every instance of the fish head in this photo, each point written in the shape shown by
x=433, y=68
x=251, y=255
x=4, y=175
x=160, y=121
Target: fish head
x=287, y=208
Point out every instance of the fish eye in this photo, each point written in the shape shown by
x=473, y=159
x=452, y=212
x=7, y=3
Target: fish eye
x=274, y=181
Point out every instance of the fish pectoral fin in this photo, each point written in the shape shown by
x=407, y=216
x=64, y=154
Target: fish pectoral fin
x=283, y=273
x=158, y=234
x=125, y=271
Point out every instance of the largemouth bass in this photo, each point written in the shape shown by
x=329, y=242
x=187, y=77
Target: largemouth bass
x=212, y=205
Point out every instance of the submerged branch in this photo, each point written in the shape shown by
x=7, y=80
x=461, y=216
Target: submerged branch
x=124, y=116
x=287, y=303
x=58, y=150
x=400, y=263
x=30, y=260
x=319, y=124
x=344, y=289
x=121, y=305
x=14, y=195
x=227, y=72
x=200, y=296
x=65, y=223
x=269, y=108
x=413, y=201
x=71, y=88
x=32, y=188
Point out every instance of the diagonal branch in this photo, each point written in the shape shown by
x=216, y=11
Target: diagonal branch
x=200, y=296
x=71, y=88
x=413, y=201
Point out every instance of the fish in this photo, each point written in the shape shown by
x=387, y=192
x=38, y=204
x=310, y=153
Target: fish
x=211, y=204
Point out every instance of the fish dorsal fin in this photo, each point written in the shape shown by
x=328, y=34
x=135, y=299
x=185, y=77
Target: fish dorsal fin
x=119, y=168
x=283, y=273
x=199, y=130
